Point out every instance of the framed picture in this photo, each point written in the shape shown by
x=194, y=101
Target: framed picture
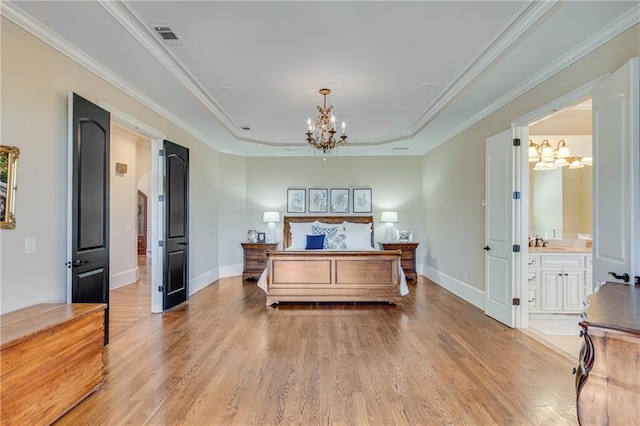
x=8, y=170
x=362, y=200
x=404, y=235
x=318, y=200
x=296, y=200
x=339, y=200
x=261, y=237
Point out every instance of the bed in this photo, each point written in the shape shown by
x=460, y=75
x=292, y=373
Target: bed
x=353, y=272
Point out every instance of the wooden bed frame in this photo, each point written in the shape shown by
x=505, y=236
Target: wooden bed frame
x=332, y=276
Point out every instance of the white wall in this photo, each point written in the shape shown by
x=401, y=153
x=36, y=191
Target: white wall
x=232, y=217
x=36, y=80
x=396, y=184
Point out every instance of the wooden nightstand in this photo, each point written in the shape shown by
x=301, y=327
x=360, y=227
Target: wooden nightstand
x=255, y=259
x=408, y=257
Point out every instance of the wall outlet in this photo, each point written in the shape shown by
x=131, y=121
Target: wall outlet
x=29, y=245
x=465, y=277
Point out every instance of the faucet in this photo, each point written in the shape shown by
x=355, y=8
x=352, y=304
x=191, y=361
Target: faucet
x=539, y=242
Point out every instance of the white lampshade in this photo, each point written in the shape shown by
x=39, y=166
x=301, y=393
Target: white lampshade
x=271, y=217
x=389, y=217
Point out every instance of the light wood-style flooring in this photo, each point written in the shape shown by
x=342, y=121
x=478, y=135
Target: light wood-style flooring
x=226, y=359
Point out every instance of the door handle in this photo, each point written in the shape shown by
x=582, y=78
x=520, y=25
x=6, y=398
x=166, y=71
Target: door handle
x=487, y=248
x=624, y=277
x=77, y=263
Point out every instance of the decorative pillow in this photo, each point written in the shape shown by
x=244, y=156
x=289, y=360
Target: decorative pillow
x=358, y=240
x=335, y=242
x=315, y=242
x=360, y=227
x=330, y=232
x=299, y=232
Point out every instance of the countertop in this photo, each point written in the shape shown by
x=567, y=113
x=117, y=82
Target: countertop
x=560, y=249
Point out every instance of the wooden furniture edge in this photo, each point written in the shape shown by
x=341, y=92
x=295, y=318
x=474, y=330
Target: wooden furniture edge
x=51, y=315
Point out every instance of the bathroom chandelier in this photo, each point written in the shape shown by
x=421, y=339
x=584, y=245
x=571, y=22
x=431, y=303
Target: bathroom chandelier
x=320, y=134
x=547, y=157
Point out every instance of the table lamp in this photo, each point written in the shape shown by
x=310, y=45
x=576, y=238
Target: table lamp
x=389, y=218
x=270, y=218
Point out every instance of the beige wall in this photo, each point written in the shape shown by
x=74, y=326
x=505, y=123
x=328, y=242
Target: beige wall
x=395, y=182
x=123, y=199
x=454, y=172
x=36, y=80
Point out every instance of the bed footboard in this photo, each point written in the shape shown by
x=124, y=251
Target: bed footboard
x=333, y=276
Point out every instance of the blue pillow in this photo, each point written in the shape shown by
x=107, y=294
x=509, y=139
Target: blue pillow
x=315, y=242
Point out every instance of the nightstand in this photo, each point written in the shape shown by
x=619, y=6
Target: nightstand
x=408, y=257
x=255, y=259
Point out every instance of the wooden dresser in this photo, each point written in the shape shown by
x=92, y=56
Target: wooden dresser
x=608, y=373
x=408, y=256
x=255, y=259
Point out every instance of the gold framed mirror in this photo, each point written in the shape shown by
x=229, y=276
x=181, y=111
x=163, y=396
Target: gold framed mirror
x=8, y=173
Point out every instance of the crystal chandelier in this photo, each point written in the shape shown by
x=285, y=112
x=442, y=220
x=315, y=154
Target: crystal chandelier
x=320, y=134
x=547, y=157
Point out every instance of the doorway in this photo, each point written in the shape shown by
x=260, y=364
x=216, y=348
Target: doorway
x=560, y=217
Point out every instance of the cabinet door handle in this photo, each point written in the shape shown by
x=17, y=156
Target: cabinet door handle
x=487, y=248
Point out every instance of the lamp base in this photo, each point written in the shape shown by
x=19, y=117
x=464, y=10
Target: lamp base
x=388, y=233
x=271, y=232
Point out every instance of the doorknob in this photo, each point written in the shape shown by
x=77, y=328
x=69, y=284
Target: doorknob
x=624, y=277
x=487, y=248
x=76, y=263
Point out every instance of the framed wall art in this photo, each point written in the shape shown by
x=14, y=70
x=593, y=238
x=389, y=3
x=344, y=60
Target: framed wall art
x=362, y=200
x=404, y=235
x=296, y=200
x=8, y=173
x=339, y=200
x=318, y=200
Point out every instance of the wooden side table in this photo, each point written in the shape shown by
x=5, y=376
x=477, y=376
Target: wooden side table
x=408, y=257
x=255, y=259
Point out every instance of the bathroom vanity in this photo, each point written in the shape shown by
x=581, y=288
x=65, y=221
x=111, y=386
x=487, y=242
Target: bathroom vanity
x=559, y=279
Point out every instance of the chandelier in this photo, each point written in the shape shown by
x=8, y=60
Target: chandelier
x=320, y=134
x=547, y=157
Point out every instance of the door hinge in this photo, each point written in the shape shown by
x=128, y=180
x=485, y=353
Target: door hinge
x=516, y=142
x=516, y=248
x=636, y=280
x=516, y=195
x=161, y=197
x=160, y=243
x=515, y=301
x=161, y=289
x=161, y=153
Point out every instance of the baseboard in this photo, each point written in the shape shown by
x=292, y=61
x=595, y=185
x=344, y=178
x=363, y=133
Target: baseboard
x=203, y=280
x=123, y=278
x=231, y=270
x=455, y=286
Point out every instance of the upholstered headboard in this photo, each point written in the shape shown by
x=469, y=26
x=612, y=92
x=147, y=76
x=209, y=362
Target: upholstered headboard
x=324, y=219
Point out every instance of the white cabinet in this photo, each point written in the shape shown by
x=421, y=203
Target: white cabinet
x=557, y=282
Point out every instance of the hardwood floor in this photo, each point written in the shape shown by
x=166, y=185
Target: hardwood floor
x=225, y=358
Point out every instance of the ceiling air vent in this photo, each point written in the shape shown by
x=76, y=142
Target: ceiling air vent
x=168, y=35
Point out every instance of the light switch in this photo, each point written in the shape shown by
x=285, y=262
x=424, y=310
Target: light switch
x=128, y=228
x=29, y=245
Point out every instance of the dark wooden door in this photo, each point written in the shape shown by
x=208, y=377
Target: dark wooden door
x=176, y=229
x=89, y=261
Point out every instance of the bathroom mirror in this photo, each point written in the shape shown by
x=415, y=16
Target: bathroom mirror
x=8, y=172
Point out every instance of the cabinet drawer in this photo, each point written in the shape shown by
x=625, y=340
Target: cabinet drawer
x=589, y=261
x=532, y=278
x=407, y=265
x=558, y=261
x=407, y=255
x=533, y=261
x=534, y=300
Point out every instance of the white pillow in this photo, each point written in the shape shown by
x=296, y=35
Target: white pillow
x=298, y=240
x=302, y=226
x=358, y=227
x=358, y=240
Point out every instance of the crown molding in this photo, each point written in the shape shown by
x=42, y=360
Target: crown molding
x=37, y=29
x=511, y=32
x=615, y=28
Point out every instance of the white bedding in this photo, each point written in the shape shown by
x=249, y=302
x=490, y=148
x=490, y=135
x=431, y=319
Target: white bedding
x=404, y=288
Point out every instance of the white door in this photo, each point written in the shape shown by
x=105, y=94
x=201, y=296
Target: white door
x=499, y=227
x=616, y=209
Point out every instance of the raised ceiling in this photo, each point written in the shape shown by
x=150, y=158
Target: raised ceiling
x=405, y=76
